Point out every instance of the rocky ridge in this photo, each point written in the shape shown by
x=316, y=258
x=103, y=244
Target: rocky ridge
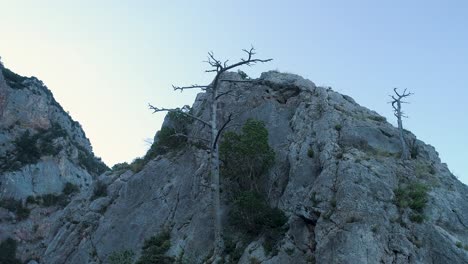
x=337, y=177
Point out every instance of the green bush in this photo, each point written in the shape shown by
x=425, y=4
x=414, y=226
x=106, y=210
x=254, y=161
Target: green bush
x=121, y=167
x=122, y=257
x=413, y=196
x=378, y=118
x=14, y=80
x=243, y=75
x=246, y=156
x=70, y=188
x=137, y=165
x=51, y=199
x=155, y=248
x=8, y=252
x=169, y=139
x=27, y=151
x=30, y=148
x=310, y=153
x=16, y=207
x=100, y=190
x=251, y=215
x=88, y=161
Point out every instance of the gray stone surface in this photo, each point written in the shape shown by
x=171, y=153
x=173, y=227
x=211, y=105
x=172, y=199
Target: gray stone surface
x=33, y=108
x=339, y=201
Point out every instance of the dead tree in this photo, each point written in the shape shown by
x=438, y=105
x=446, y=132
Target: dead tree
x=213, y=90
x=396, y=103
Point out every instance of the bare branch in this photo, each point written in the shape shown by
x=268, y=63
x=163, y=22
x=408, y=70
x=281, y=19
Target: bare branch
x=194, y=86
x=227, y=80
x=248, y=61
x=178, y=110
x=223, y=67
x=221, y=129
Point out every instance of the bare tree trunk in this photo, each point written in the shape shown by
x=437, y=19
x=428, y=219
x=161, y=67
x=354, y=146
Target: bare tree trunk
x=218, y=228
x=404, y=149
x=396, y=103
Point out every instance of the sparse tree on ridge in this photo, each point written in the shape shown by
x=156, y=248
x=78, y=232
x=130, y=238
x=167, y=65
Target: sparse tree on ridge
x=396, y=103
x=213, y=90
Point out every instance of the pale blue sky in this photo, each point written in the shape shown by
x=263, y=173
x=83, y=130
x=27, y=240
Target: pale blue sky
x=106, y=60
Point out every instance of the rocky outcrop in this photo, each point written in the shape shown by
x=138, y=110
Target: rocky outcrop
x=45, y=160
x=337, y=176
x=42, y=147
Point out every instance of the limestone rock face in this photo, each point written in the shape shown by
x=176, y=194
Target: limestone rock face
x=41, y=147
x=337, y=176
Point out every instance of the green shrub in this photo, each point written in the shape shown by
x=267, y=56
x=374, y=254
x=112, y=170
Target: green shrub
x=414, y=149
x=251, y=215
x=310, y=153
x=27, y=151
x=155, y=248
x=51, y=199
x=13, y=80
x=338, y=127
x=88, y=161
x=378, y=118
x=417, y=217
x=100, y=190
x=246, y=156
x=413, y=196
x=8, y=252
x=70, y=188
x=243, y=75
x=179, y=120
x=30, y=148
x=137, y=165
x=169, y=139
x=122, y=257
x=31, y=200
x=121, y=167
x=459, y=244
x=16, y=207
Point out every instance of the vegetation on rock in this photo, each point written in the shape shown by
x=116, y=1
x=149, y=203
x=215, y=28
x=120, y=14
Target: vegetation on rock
x=100, y=190
x=155, y=248
x=14, y=80
x=16, y=207
x=8, y=252
x=169, y=139
x=246, y=156
x=413, y=196
x=122, y=257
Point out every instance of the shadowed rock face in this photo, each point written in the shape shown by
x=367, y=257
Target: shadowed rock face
x=336, y=177
x=41, y=150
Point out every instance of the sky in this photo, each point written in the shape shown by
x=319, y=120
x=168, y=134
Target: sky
x=106, y=60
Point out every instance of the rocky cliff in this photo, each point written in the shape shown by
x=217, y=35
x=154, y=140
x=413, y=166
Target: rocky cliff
x=337, y=179
x=43, y=153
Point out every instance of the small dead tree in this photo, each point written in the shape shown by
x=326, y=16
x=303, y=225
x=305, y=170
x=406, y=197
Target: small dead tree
x=218, y=67
x=396, y=103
